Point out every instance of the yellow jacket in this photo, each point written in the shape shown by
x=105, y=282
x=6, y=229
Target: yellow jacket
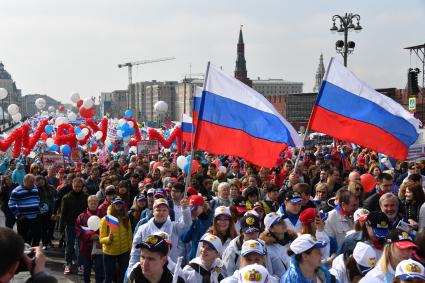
x=123, y=237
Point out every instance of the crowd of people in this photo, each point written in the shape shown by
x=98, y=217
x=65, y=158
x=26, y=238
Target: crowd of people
x=311, y=218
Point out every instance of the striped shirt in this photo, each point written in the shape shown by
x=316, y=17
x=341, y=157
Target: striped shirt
x=24, y=202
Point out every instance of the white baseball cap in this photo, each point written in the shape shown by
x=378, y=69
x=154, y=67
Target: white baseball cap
x=305, y=242
x=252, y=246
x=213, y=241
x=253, y=273
x=272, y=218
x=222, y=210
x=410, y=269
x=252, y=212
x=360, y=214
x=365, y=257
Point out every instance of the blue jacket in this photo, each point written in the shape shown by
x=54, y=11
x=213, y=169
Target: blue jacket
x=24, y=202
x=195, y=233
x=18, y=176
x=294, y=274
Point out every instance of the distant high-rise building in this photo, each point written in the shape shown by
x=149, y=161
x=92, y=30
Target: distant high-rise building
x=241, y=72
x=320, y=73
x=113, y=103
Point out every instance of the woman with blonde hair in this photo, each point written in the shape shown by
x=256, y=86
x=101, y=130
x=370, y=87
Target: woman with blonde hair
x=223, y=226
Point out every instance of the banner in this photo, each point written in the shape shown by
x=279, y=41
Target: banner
x=55, y=160
x=147, y=147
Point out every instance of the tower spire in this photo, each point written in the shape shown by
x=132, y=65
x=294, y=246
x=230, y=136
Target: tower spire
x=241, y=72
x=320, y=72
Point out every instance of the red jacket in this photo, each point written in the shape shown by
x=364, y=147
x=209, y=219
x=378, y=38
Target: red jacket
x=86, y=244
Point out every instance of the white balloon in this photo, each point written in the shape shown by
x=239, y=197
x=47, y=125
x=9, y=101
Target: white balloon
x=85, y=131
x=98, y=135
x=44, y=113
x=131, y=124
x=17, y=117
x=3, y=93
x=119, y=133
x=51, y=109
x=80, y=136
x=181, y=161
x=13, y=109
x=40, y=103
x=60, y=121
x=161, y=107
x=93, y=222
x=75, y=97
x=72, y=116
x=88, y=103
x=32, y=154
x=108, y=141
x=222, y=169
x=50, y=142
x=121, y=122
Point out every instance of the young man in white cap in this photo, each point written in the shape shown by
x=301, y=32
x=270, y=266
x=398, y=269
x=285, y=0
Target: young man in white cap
x=207, y=266
x=161, y=222
x=306, y=264
x=252, y=252
x=409, y=271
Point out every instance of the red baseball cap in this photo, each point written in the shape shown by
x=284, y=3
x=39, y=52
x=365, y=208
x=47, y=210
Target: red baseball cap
x=308, y=216
x=196, y=200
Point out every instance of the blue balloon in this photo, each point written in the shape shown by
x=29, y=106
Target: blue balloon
x=131, y=131
x=48, y=129
x=65, y=149
x=125, y=126
x=186, y=168
x=54, y=147
x=188, y=158
x=77, y=130
x=128, y=113
x=111, y=147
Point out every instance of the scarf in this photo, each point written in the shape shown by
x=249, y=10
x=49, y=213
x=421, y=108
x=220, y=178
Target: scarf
x=341, y=211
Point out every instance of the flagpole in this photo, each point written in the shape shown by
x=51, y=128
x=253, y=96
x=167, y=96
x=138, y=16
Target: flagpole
x=189, y=173
x=311, y=114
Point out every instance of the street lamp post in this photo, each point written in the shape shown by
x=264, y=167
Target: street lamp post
x=345, y=25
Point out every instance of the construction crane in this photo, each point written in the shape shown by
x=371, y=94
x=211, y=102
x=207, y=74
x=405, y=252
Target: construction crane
x=130, y=71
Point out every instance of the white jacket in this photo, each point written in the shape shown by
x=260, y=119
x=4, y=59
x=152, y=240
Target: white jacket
x=191, y=275
x=337, y=226
x=338, y=269
x=279, y=259
x=231, y=257
x=173, y=229
x=377, y=276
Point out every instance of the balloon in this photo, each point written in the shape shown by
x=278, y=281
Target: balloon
x=17, y=117
x=119, y=133
x=40, y=103
x=108, y=141
x=44, y=113
x=93, y=222
x=48, y=129
x=195, y=167
x=51, y=109
x=88, y=103
x=75, y=97
x=368, y=182
x=77, y=130
x=156, y=164
x=32, y=154
x=111, y=147
x=3, y=93
x=94, y=147
x=50, y=142
x=79, y=103
x=13, y=109
x=80, y=136
x=44, y=136
x=86, y=113
x=161, y=107
x=85, y=131
x=54, y=147
x=130, y=124
x=65, y=149
x=223, y=169
x=128, y=113
x=61, y=108
x=98, y=135
x=60, y=121
x=121, y=122
x=72, y=116
x=181, y=161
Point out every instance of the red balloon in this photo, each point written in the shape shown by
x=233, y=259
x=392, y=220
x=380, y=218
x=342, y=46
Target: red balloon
x=133, y=142
x=79, y=103
x=195, y=166
x=94, y=147
x=61, y=108
x=368, y=182
x=86, y=113
x=44, y=136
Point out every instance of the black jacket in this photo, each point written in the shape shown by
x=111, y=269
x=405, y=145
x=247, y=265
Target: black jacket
x=73, y=204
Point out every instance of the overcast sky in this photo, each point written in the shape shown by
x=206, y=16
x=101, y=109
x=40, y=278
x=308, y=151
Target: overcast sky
x=57, y=47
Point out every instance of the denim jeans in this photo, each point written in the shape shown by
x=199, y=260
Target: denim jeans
x=109, y=262
x=71, y=250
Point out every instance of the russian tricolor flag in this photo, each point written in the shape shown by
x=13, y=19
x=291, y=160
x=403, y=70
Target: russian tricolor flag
x=87, y=231
x=112, y=221
x=196, y=104
x=187, y=128
x=348, y=109
x=236, y=120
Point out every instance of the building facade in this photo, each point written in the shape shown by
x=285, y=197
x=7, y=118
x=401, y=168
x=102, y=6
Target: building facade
x=276, y=87
x=320, y=73
x=162, y=91
x=14, y=94
x=28, y=105
x=113, y=104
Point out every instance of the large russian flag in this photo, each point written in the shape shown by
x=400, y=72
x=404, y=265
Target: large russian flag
x=196, y=104
x=236, y=120
x=187, y=128
x=348, y=109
